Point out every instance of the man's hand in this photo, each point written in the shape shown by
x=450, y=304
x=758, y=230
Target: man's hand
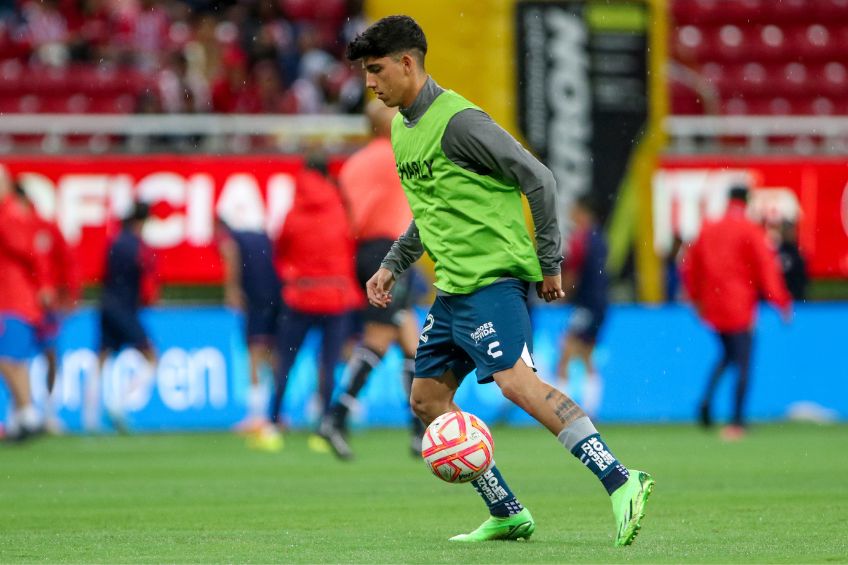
x=378, y=288
x=550, y=288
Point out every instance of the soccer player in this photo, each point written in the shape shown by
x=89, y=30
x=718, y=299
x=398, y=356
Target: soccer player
x=379, y=214
x=128, y=283
x=463, y=176
x=586, y=284
x=251, y=285
x=63, y=278
x=725, y=271
x=23, y=292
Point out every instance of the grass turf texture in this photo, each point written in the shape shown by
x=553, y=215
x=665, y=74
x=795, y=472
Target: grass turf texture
x=780, y=496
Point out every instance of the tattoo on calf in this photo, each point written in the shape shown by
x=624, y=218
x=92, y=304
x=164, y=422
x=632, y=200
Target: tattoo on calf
x=566, y=409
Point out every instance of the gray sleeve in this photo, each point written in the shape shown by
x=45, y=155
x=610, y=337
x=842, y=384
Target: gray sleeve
x=404, y=252
x=473, y=141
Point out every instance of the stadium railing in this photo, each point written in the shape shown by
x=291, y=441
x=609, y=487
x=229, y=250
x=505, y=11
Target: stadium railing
x=808, y=135
x=205, y=133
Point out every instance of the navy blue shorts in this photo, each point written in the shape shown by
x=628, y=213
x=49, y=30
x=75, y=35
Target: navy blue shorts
x=121, y=327
x=488, y=329
x=585, y=324
x=261, y=322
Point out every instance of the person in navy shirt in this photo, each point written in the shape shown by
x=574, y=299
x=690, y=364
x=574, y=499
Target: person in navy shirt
x=586, y=286
x=252, y=286
x=129, y=282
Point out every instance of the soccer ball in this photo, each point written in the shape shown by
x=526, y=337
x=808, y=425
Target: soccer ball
x=457, y=447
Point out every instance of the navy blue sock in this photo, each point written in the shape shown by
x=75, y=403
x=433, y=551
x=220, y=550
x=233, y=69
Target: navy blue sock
x=594, y=453
x=496, y=494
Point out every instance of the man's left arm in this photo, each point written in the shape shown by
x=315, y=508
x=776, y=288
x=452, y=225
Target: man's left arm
x=475, y=142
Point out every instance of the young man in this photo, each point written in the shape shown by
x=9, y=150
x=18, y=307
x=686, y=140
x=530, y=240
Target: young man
x=586, y=286
x=128, y=283
x=463, y=176
x=726, y=270
x=379, y=213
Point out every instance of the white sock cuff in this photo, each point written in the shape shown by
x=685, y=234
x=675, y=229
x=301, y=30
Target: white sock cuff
x=576, y=432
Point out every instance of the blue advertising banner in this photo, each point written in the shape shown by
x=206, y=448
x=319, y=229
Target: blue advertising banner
x=653, y=361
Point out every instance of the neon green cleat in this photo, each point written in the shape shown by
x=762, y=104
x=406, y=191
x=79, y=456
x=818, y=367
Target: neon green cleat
x=628, y=505
x=266, y=439
x=318, y=444
x=517, y=526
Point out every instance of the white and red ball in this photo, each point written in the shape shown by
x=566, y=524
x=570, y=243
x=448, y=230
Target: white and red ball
x=458, y=447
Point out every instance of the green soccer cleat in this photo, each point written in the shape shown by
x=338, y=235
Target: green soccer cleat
x=628, y=505
x=517, y=526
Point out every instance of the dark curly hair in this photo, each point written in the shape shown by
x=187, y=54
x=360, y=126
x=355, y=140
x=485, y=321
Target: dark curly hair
x=388, y=36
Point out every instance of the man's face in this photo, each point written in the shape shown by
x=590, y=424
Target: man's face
x=390, y=78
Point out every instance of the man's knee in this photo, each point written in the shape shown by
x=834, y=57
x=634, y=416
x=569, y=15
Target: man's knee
x=518, y=384
x=426, y=403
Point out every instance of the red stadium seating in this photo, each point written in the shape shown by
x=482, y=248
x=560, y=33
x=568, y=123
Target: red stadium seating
x=762, y=56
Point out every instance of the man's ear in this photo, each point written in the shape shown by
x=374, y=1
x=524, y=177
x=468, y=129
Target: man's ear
x=408, y=62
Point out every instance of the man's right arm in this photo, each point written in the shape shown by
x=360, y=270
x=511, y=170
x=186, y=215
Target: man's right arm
x=404, y=252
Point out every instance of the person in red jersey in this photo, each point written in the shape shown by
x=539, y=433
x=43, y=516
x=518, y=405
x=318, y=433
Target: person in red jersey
x=726, y=271
x=62, y=275
x=23, y=293
x=379, y=214
x=314, y=257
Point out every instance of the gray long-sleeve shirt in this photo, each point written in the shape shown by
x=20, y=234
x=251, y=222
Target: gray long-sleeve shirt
x=473, y=141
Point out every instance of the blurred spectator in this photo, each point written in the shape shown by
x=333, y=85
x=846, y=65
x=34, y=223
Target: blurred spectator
x=379, y=213
x=129, y=283
x=252, y=286
x=233, y=91
x=300, y=39
x=46, y=31
x=314, y=257
x=586, y=286
x=23, y=292
x=182, y=90
x=792, y=263
x=726, y=270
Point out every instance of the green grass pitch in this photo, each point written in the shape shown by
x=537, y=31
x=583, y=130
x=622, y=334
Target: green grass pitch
x=779, y=496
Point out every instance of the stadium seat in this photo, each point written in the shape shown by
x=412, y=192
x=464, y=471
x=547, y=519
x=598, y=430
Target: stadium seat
x=813, y=42
x=831, y=11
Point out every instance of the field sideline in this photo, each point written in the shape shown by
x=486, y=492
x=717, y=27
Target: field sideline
x=780, y=496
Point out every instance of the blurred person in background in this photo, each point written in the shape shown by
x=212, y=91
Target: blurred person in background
x=23, y=294
x=671, y=270
x=62, y=276
x=792, y=262
x=314, y=257
x=726, y=270
x=379, y=214
x=129, y=282
x=586, y=286
x=252, y=286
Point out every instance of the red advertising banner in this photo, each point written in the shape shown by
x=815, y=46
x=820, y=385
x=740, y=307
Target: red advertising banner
x=86, y=196
x=811, y=191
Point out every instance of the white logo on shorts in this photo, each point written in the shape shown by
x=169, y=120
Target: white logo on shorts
x=494, y=354
x=427, y=325
x=482, y=332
